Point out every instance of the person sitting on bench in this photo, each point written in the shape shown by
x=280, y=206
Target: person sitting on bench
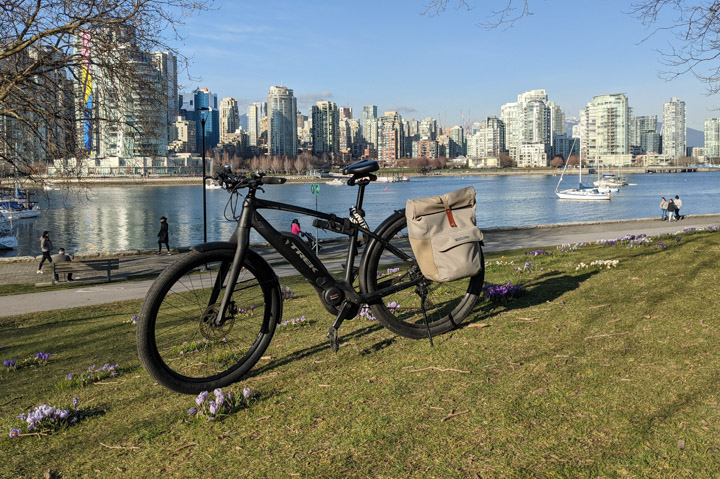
x=61, y=257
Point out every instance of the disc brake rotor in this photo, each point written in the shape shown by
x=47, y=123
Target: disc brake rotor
x=209, y=329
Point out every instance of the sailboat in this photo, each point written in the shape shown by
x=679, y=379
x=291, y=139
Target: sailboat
x=581, y=192
x=7, y=236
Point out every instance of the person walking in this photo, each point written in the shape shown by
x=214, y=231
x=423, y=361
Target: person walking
x=663, y=209
x=61, y=257
x=678, y=205
x=671, y=210
x=163, y=236
x=45, y=246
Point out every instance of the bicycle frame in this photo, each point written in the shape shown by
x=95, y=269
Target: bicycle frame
x=296, y=252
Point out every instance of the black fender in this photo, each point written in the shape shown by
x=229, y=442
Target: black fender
x=257, y=260
x=203, y=247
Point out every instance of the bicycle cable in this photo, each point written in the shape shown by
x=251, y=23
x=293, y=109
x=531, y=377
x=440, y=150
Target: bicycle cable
x=232, y=203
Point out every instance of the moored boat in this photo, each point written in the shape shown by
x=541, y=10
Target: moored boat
x=16, y=210
x=581, y=192
x=7, y=237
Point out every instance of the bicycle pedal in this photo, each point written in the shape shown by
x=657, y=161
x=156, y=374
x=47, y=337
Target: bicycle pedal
x=332, y=335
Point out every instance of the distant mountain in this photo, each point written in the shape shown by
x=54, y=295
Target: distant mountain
x=695, y=137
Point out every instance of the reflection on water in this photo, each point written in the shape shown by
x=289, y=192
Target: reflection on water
x=117, y=218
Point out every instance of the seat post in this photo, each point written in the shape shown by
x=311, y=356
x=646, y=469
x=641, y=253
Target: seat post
x=360, y=194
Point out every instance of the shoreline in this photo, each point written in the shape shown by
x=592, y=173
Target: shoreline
x=590, y=225
x=191, y=180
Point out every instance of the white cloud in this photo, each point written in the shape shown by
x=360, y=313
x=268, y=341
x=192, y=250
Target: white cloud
x=308, y=99
x=403, y=109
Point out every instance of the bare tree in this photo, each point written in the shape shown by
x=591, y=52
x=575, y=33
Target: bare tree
x=300, y=164
x=265, y=163
x=68, y=68
x=276, y=164
x=695, y=26
x=505, y=160
x=557, y=161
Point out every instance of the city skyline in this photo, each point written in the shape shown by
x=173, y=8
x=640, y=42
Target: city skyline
x=241, y=50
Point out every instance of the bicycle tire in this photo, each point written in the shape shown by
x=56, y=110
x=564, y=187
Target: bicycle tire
x=447, y=304
x=179, y=345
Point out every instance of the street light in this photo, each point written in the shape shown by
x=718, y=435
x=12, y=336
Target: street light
x=203, y=117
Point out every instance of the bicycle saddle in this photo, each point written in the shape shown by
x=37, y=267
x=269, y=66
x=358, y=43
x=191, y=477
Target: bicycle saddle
x=361, y=168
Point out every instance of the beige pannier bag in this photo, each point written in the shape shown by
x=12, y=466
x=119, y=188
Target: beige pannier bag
x=444, y=236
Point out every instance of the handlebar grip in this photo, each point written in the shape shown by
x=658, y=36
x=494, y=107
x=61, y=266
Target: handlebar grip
x=322, y=224
x=273, y=180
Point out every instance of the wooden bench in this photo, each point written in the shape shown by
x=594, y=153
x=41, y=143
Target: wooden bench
x=96, y=266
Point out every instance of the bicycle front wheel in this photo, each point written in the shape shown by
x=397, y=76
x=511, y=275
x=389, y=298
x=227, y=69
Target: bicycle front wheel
x=446, y=304
x=180, y=343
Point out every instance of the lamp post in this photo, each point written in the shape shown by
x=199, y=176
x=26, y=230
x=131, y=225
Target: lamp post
x=204, y=111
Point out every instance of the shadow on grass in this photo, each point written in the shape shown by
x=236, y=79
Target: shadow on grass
x=303, y=353
x=540, y=290
x=86, y=333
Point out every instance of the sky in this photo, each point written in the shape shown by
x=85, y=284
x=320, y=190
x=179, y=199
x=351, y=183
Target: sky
x=386, y=53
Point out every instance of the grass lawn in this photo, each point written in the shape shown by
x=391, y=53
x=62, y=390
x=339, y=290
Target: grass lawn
x=597, y=371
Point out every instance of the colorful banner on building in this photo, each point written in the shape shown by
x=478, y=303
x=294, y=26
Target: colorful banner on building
x=86, y=82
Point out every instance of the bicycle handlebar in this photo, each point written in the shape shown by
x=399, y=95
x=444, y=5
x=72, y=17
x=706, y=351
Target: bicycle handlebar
x=230, y=180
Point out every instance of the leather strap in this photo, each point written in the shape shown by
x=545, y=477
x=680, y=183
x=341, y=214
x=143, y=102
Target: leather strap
x=448, y=212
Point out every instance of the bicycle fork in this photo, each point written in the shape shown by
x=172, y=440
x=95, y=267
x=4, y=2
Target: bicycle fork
x=243, y=241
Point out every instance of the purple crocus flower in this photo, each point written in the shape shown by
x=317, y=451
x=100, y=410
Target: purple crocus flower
x=69, y=376
x=213, y=407
x=247, y=392
x=62, y=413
x=42, y=356
x=201, y=398
x=192, y=411
x=15, y=432
x=219, y=397
x=76, y=401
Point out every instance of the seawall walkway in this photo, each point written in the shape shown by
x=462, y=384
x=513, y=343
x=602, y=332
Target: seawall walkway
x=148, y=264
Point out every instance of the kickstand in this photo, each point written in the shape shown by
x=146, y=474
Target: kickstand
x=332, y=333
x=422, y=290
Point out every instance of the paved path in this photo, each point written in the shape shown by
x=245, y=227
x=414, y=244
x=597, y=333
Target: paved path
x=147, y=264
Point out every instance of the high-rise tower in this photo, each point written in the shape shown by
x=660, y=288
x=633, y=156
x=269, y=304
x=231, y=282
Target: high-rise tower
x=606, y=128
x=325, y=125
x=282, y=122
x=229, y=118
x=674, y=132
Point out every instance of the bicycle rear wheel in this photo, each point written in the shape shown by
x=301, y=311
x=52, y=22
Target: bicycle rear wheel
x=446, y=304
x=178, y=341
